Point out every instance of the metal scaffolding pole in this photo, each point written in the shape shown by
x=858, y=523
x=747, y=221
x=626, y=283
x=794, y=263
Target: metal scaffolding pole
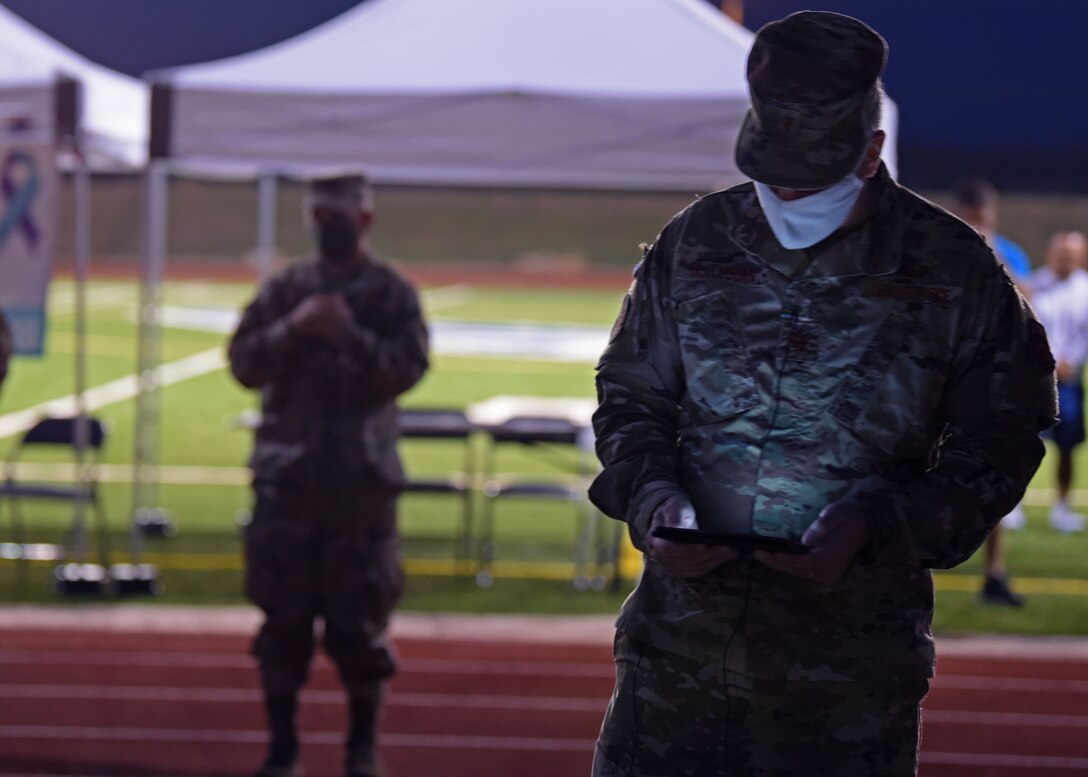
x=266, y=223
x=145, y=476
x=81, y=215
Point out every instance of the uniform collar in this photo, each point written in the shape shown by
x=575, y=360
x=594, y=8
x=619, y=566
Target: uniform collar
x=873, y=247
x=345, y=276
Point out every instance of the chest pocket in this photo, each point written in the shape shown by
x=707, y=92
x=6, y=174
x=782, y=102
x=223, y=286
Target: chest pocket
x=889, y=396
x=719, y=381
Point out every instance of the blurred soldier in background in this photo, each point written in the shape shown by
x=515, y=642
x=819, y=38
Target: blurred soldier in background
x=1059, y=293
x=820, y=356
x=6, y=347
x=975, y=200
x=330, y=342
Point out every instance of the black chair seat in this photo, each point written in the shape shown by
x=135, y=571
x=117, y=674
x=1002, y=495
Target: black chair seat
x=435, y=424
x=46, y=491
x=444, y=424
x=530, y=430
x=70, y=434
x=543, y=490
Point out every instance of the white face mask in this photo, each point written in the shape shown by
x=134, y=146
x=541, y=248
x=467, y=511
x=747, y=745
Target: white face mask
x=805, y=222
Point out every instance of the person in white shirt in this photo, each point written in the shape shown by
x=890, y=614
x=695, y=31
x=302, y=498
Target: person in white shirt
x=1059, y=294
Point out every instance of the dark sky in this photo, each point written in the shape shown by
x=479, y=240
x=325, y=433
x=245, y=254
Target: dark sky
x=989, y=73
x=997, y=79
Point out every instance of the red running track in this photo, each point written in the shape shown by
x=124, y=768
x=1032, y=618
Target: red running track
x=79, y=701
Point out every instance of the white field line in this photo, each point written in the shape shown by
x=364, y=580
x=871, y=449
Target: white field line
x=178, y=474
x=446, y=296
x=200, y=293
x=455, y=742
x=62, y=300
x=196, y=475
x=114, y=391
x=122, y=473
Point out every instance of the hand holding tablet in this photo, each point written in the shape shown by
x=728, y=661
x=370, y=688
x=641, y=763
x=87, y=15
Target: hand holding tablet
x=733, y=540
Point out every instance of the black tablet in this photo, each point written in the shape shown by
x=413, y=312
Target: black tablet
x=743, y=541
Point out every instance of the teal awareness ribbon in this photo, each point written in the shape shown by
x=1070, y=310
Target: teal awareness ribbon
x=19, y=199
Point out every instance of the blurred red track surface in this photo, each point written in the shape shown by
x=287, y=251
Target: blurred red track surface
x=522, y=701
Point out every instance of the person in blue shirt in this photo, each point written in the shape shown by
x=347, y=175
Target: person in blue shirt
x=975, y=200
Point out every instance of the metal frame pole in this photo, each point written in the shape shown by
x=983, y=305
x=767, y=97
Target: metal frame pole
x=81, y=214
x=267, y=186
x=148, y=399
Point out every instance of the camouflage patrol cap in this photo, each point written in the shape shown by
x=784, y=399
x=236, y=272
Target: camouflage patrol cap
x=345, y=193
x=812, y=79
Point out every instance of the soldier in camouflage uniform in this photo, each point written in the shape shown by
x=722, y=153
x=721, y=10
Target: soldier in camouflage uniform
x=6, y=347
x=330, y=342
x=859, y=375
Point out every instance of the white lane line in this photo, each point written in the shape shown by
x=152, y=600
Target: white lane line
x=88, y=658
x=224, y=661
x=334, y=738
x=451, y=742
x=1079, y=765
x=446, y=666
x=1008, y=684
x=965, y=759
x=253, y=696
x=465, y=701
x=114, y=391
x=1024, y=719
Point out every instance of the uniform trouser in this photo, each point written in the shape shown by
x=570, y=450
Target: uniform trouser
x=328, y=553
x=672, y=716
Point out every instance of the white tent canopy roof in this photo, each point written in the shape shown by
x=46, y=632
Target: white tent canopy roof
x=639, y=48
x=627, y=94
x=114, y=117
x=611, y=94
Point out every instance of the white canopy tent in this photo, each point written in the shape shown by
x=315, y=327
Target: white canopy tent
x=113, y=119
x=608, y=94
x=605, y=94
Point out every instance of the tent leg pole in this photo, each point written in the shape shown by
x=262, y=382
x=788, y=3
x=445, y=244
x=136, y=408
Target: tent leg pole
x=81, y=214
x=266, y=223
x=148, y=398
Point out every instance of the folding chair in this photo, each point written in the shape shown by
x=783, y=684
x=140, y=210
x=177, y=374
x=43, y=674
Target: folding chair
x=444, y=424
x=56, y=433
x=591, y=553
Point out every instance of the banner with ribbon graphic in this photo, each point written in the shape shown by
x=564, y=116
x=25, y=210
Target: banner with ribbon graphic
x=28, y=217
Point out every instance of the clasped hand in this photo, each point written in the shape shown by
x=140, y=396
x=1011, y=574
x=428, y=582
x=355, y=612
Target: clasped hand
x=325, y=316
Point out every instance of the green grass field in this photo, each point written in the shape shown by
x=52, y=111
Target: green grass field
x=203, y=485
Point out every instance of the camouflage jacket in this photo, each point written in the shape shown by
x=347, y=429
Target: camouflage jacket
x=328, y=410
x=895, y=364
x=6, y=347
